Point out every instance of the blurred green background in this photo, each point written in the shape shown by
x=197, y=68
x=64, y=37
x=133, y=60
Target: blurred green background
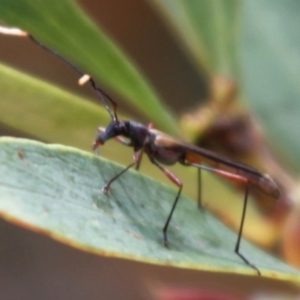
x=269, y=63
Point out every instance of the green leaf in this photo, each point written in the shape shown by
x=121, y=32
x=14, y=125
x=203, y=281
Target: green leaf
x=271, y=47
x=208, y=31
x=62, y=25
x=56, y=190
x=48, y=112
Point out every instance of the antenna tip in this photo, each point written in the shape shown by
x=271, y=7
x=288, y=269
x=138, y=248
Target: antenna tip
x=13, y=31
x=84, y=79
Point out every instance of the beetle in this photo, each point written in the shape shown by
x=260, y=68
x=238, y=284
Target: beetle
x=163, y=150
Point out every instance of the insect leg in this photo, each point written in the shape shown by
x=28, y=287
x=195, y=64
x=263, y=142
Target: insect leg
x=199, y=183
x=139, y=159
x=108, y=184
x=175, y=180
x=236, y=178
x=137, y=167
x=237, y=246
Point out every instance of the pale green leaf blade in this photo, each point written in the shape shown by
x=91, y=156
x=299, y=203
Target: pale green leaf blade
x=57, y=190
x=50, y=114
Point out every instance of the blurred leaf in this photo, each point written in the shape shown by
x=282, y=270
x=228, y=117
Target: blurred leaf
x=208, y=31
x=271, y=61
x=55, y=190
x=48, y=112
x=62, y=25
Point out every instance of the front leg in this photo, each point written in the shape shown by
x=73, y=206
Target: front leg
x=178, y=183
x=137, y=156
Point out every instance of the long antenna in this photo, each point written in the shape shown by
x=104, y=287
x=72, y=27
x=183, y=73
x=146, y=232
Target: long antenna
x=102, y=95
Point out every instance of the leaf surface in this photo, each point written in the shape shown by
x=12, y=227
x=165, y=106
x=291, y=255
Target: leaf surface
x=56, y=190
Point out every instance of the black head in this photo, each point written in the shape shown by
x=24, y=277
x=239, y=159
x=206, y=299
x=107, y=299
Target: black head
x=135, y=132
x=115, y=128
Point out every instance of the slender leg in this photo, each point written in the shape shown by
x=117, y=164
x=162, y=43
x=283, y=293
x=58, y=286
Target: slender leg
x=237, y=246
x=236, y=178
x=199, y=181
x=137, y=159
x=123, y=141
x=108, y=184
x=137, y=167
x=138, y=163
x=175, y=180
